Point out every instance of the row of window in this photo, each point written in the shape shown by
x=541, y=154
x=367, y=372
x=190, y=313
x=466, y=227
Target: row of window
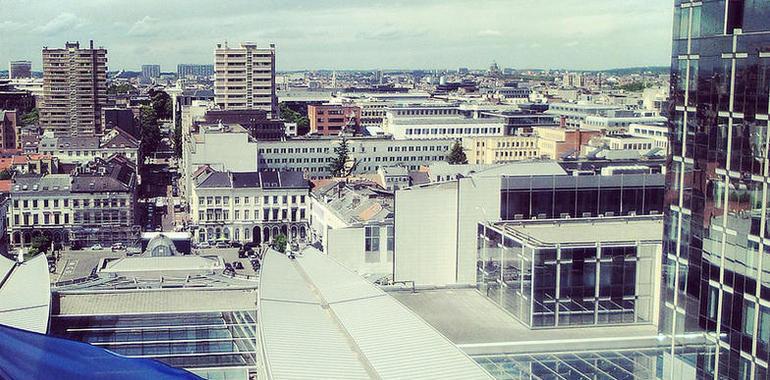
x=452, y=131
x=90, y=203
x=268, y=214
x=266, y=199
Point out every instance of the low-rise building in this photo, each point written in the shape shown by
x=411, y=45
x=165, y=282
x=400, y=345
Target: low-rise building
x=573, y=272
x=251, y=206
x=558, y=143
x=94, y=204
x=393, y=178
x=353, y=222
x=332, y=119
x=500, y=149
x=86, y=148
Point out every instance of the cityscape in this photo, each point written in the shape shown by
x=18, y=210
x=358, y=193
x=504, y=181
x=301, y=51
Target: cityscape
x=317, y=191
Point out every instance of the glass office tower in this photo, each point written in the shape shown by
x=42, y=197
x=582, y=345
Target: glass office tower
x=717, y=238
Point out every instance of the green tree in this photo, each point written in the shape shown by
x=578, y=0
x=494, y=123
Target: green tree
x=5, y=174
x=288, y=114
x=339, y=162
x=633, y=86
x=30, y=118
x=150, y=131
x=40, y=243
x=457, y=155
x=121, y=88
x=161, y=103
x=279, y=243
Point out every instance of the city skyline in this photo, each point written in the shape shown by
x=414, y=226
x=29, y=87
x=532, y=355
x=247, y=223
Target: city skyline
x=576, y=35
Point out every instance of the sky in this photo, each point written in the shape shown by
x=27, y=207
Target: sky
x=350, y=34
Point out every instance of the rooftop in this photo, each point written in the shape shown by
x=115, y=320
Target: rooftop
x=479, y=326
x=350, y=328
x=586, y=230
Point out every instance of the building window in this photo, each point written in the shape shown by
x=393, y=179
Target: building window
x=391, y=238
x=372, y=238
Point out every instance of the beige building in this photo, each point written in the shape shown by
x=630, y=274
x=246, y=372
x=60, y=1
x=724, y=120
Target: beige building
x=74, y=90
x=245, y=77
x=499, y=149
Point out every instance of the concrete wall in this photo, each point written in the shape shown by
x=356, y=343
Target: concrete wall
x=426, y=230
x=436, y=230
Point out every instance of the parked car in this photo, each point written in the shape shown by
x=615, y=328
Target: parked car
x=204, y=245
x=118, y=247
x=130, y=251
x=236, y=244
x=237, y=265
x=222, y=244
x=96, y=247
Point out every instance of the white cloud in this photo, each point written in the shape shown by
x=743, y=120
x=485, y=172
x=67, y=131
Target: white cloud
x=145, y=27
x=61, y=23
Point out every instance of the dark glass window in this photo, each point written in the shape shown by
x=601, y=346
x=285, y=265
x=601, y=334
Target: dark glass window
x=734, y=15
x=755, y=15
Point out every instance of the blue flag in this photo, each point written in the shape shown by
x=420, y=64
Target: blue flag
x=29, y=355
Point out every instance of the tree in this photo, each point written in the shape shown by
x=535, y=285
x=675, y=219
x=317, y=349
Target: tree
x=457, y=156
x=633, y=86
x=30, y=118
x=161, y=103
x=150, y=131
x=339, y=163
x=288, y=114
x=122, y=88
x=279, y=243
x=40, y=243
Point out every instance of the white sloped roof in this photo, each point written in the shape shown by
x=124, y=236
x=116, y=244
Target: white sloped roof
x=25, y=294
x=334, y=324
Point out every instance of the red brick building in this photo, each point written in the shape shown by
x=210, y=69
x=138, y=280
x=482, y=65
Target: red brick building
x=329, y=119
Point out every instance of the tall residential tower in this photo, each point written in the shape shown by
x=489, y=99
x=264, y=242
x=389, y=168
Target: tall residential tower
x=716, y=265
x=74, y=90
x=245, y=77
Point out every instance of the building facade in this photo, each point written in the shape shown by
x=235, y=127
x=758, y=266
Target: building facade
x=245, y=77
x=332, y=119
x=716, y=256
x=191, y=70
x=8, y=130
x=249, y=206
x=19, y=69
x=93, y=205
x=150, y=71
x=500, y=149
x=74, y=90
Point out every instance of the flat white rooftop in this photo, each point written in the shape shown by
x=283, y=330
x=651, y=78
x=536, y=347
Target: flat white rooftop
x=587, y=231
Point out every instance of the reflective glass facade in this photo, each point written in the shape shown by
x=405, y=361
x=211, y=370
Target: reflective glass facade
x=549, y=197
x=567, y=284
x=629, y=365
x=210, y=342
x=716, y=264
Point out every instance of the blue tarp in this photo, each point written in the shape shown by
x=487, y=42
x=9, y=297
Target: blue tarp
x=29, y=355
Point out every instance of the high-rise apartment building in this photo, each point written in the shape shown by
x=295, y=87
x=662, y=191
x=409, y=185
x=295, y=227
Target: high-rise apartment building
x=150, y=71
x=19, y=69
x=245, y=77
x=74, y=90
x=716, y=258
